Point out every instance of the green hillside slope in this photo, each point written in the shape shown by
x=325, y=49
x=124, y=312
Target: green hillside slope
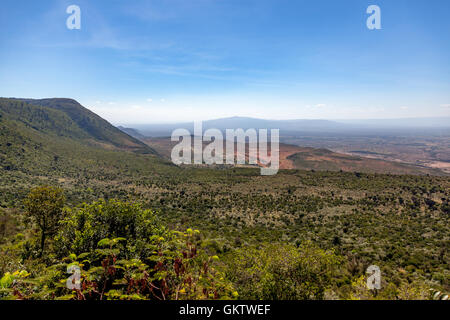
x=93, y=126
x=41, y=144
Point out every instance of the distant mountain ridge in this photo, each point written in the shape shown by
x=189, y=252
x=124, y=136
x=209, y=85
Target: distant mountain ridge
x=132, y=132
x=302, y=126
x=286, y=126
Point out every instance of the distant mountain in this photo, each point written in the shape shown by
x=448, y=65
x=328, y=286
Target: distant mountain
x=306, y=126
x=132, y=132
x=285, y=126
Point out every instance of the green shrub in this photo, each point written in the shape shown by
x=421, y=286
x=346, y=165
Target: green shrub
x=86, y=225
x=280, y=271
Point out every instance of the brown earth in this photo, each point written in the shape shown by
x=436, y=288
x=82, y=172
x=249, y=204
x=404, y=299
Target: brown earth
x=307, y=158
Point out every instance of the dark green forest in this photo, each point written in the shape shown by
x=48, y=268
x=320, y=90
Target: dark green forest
x=76, y=191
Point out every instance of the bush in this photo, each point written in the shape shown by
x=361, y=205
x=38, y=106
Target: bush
x=86, y=225
x=283, y=272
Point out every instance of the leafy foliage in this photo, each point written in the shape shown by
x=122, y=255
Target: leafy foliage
x=123, y=252
x=86, y=226
x=45, y=205
x=283, y=272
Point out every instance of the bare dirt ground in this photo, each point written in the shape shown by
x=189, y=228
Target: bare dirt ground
x=307, y=158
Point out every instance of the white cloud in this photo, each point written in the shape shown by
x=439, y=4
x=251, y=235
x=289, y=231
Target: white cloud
x=149, y=100
x=445, y=105
x=404, y=108
x=320, y=105
x=163, y=100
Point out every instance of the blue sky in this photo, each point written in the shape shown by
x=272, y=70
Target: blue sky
x=167, y=61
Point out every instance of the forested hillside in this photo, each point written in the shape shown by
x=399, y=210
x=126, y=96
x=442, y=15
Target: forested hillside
x=66, y=117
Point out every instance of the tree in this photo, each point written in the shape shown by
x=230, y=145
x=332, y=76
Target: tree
x=45, y=204
x=86, y=225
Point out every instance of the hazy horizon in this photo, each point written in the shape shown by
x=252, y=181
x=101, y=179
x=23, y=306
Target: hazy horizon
x=343, y=121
